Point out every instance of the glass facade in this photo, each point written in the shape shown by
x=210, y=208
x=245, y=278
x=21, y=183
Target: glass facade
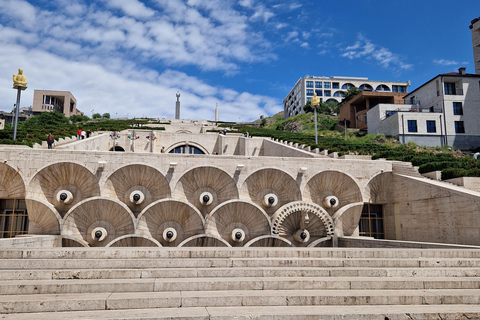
x=371, y=222
x=13, y=218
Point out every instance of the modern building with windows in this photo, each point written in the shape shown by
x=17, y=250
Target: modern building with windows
x=443, y=111
x=60, y=101
x=332, y=89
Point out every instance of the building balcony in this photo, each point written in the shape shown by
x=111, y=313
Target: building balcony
x=456, y=92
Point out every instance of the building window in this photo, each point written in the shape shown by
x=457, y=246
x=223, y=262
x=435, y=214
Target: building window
x=318, y=84
x=401, y=89
x=13, y=218
x=459, y=127
x=327, y=85
x=389, y=113
x=347, y=86
x=309, y=84
x=339, y=94
x=187, y=150
x=371, y=222
x=335, y=85
x=412, y=125
x=319, y=92
x=450, y=88
x=309, y=99
x=309, y=92
x=457, y=108
x=431, y=126
x=327, y=93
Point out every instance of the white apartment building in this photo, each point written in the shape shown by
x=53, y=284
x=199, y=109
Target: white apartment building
x=475, y=29
x=332, y=89
x=443, y=111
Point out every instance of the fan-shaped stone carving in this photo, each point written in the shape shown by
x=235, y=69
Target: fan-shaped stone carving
x=73, y=242
x=150, y=183
x=270, y=182
x=112, y=216
x=297, y=219
x=11, y=183
x=377, y=189
x=217, y=182
x=322, y=242
x=43, y=218
x=347, y=218
x=332, y=183
x=51, y=180
x=134, y=240
x=269, y=241
x=237, y=222
x=204, y=240
x=180, y=218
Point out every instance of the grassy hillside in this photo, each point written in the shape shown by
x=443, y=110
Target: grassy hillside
x=300, y=129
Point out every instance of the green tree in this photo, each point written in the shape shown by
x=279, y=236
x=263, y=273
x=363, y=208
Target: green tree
x=78, y=118
x=106, y=115
x=352, y=92
x=96, y=116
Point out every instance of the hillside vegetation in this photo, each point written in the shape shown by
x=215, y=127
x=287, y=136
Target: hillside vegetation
x=300, y=129
x=36, y=129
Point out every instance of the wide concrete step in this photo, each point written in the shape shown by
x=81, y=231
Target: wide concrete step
x=369, y=312
x=16, y=264
x=16, y=287
x=182, y=299
x=54, y=274
x=172, y=253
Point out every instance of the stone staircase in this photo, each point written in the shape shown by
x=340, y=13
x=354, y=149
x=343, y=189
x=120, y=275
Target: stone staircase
x=239, y=283
x=406, y=169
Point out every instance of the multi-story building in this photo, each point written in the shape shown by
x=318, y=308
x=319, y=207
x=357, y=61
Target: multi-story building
x=332, y=89
x=443, y=111
x=49, y=101
x=475, y=29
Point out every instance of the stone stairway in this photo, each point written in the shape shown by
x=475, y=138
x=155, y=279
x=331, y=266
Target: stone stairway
x=239, y=283
x=406, y=169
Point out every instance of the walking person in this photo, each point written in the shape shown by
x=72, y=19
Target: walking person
x=50, y=141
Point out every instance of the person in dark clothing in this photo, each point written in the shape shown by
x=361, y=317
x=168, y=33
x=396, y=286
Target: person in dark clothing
x=50, y=141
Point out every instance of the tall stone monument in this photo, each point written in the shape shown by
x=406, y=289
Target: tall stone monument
x=216, y=112
x=177, y=106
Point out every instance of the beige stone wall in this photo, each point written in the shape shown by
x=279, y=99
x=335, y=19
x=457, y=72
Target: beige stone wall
x=425, y=210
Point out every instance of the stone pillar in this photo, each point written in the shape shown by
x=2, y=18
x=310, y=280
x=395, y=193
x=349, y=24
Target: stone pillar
x=216, y=112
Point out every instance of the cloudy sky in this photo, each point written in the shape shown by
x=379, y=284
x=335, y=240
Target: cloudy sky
x=129, y=57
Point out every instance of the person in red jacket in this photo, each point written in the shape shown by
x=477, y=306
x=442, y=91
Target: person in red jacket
x=79, y=133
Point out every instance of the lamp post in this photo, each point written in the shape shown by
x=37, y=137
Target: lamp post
x=315, y=102
x=20, y=84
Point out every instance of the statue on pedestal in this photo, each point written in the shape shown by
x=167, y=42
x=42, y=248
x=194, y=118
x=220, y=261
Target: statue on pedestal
x=315, y=102
x=19, y=79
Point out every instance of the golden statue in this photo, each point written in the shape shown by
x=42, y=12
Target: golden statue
x=315, y=100
x=19, y=79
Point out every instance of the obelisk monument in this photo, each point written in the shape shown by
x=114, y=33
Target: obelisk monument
x=177, y=106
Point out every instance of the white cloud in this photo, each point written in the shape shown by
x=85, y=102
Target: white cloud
x=365, y=49
x=445, y=62
x=103, y=57
x=122, y=89
x=132, y=8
